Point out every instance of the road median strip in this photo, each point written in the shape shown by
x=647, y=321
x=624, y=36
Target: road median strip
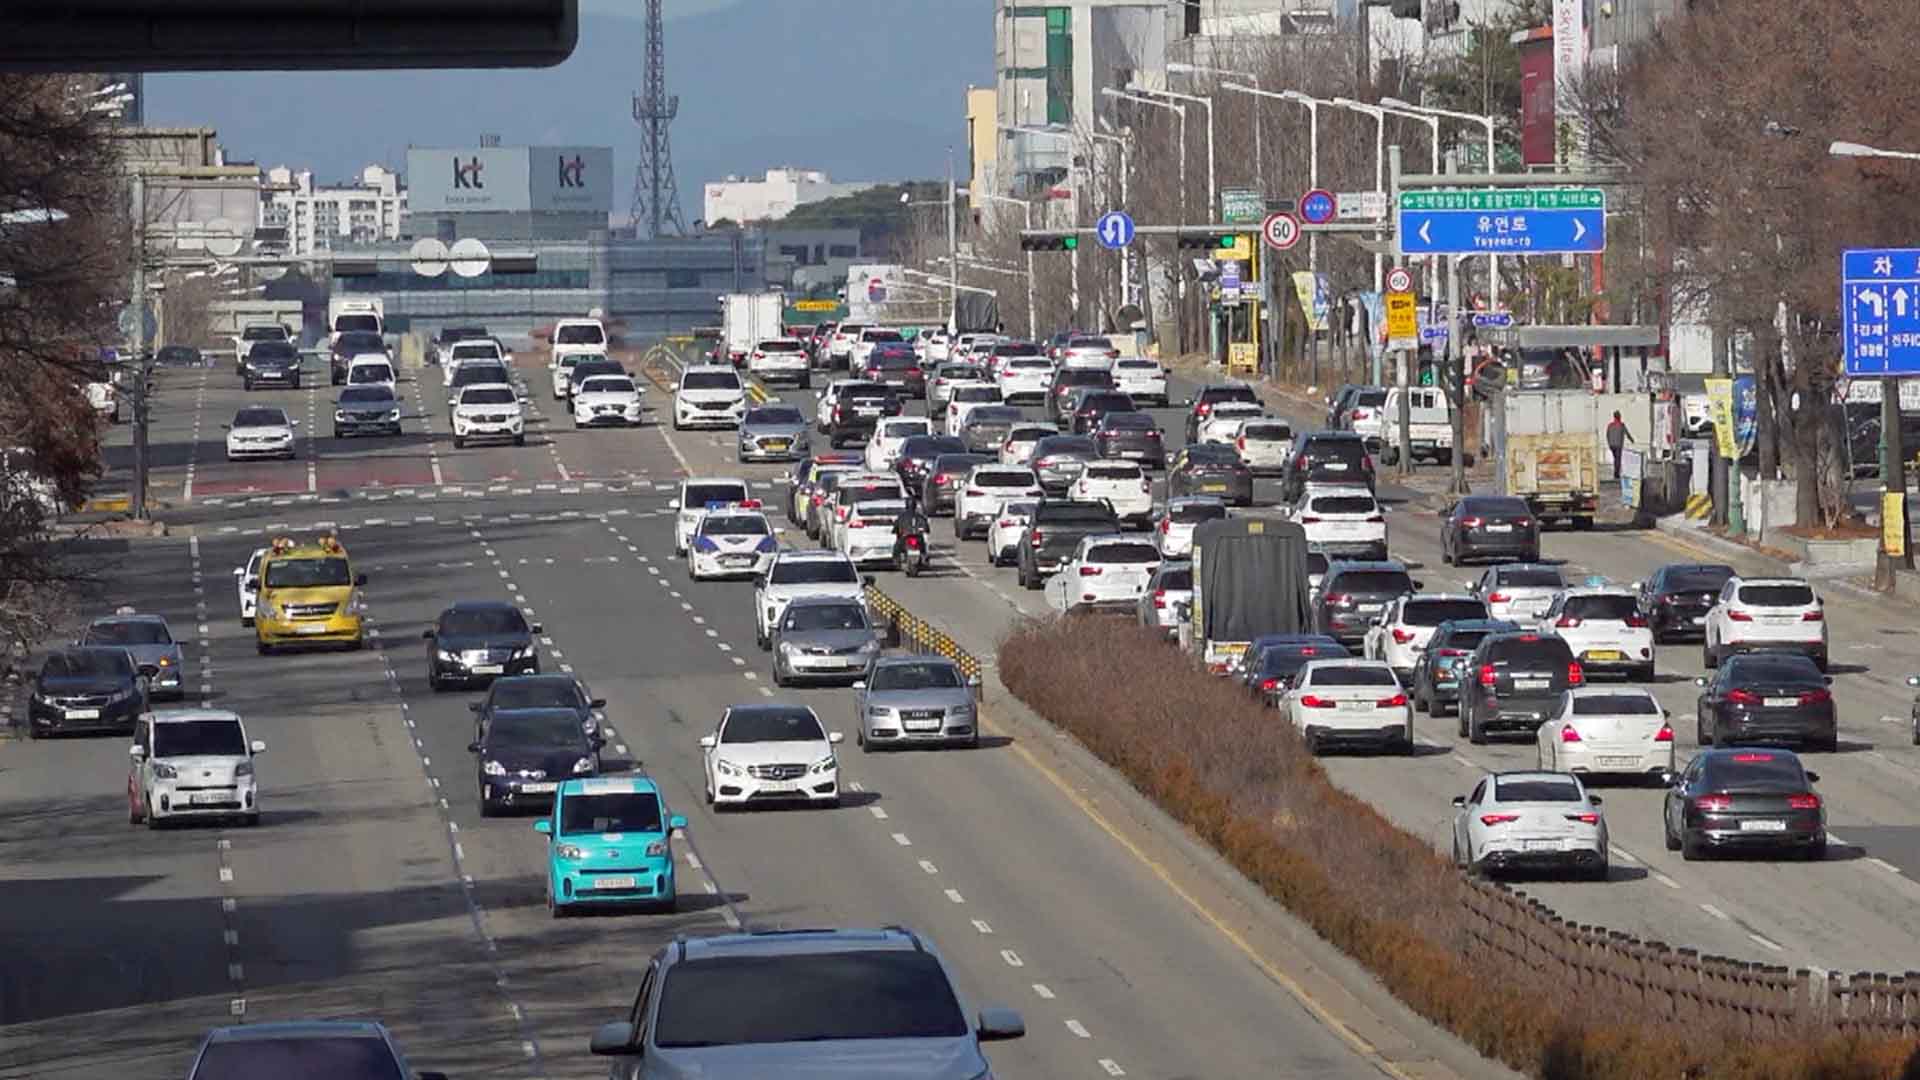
x=1548, y=997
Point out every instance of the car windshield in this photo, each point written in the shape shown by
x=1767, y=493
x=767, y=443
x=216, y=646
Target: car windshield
x=1133, y=551
x=1195, y=513
x=901, y=429
x=358, y=341
x=471, y=374
x=1493, y=508
x=1002, y=478
x=1016, y=348
x=825, y=617
x=1374, y=582
x=580, y=334
x=105, y=663
x=1465, y=640
x=1342, y=504
x=1287, y=659
x=993, y=414
x=871, y=336
x=1266, y=432
x=129, y=632
x=298, y=1058
x=366, y=395
x=356, y=322
x=489, y=395
x=1128, y=420
x=1212, y=454
x=1537, y=789
x=318, y=572
x=1532, y=652
x=1786, y=596
x=893, y=357
x=534, y=694
x=778, y=346
x=1699, y=579
x=477, y=350
x=247, y=418
x=1112, y=472
x=807, y=997
x=1436, y=611
x=813, y=572
x=1068, y=444
x=927, y=676
x=1779, y=668
x=709, y=380
x=193, y=738
x=1022, y=509
x=1609, y=607
x=772, y=725
x=1370, y=398
x=612, y=384
x=264, y=333
x=699, y=495
x=1353, y=675
x=480, y=621
x=554, y=731
x=735, y=525
x=617, y=812
x=274, y=350
x=1529, y=577
x=370, y=373
x=970, y=392
x=1029, y=434
x=1029, y=363
x=1616, y=705
x=1755, y=770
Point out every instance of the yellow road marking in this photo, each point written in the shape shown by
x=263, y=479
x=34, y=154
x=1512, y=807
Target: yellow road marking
x=1299, y=993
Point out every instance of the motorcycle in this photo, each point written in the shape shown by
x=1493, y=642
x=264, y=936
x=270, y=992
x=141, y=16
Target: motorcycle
x=915, y=557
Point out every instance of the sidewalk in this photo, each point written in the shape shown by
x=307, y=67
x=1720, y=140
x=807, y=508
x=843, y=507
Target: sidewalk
x=1696, y=535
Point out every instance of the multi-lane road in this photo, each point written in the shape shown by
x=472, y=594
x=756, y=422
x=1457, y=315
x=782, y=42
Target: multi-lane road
x=372, y=886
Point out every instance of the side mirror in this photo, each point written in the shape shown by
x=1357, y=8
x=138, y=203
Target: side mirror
x=1828, y=680
x=473, y=706
x=427, y=633
x=539, y=628
x=860, y=685
x=258, y=746
x=613, y=1040
x=226, y=427
x=1913, y=680
x=239, y=571
x=1638, y=585
x=1595, y=800
x=759, y=581
x=1813, y=777
x=136, y=752
x=707, y=742
x=1460, y=800
x=544, y=827
x=1418, y=585
x=473, y=748
x=597, y=703
x=676, y=823
x=1700, y=680
x=359, y=579
x=1000, y=1024
x=1669, y=778
x=672, y=504
x=598, y=740
x=834, y=737
x=867, y=580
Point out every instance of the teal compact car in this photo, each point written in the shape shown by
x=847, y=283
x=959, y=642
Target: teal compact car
x=609, y=842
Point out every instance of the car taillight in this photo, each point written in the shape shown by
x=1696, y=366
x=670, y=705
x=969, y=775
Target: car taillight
x=1637, y=620
x=1166, y=527
x=1113, y=354
x=1361, y=414
x=1743, y=697
x=1816, y=697
x=1739, y=616
x=1300, y=462
x=1366, y=462
x=1394, y=702
x=1588, y=818
x=1488, y=676
x=1525, y=523
x=1402, y=636
x=913, y=372
x=1310, y=519
x=1575, y=674
x=1313, y=701
x=1812, y=616
x=941, y=480
x=1154, y=434
x=1713, y=803
x=1567, y=621
x=1160, y=598
x=838, y=411
x=1089, y=571
x=1376, y=519
x=1568, y=734
x=1803, y=802
x=1491, y=820
x=1450, y=652
x=1240, y=444
x=856, y=523
x=974, y=494
x=1472, y=522
x=1038, y=537
x=1202, y=409
x=1498, y=598
x=1269, y=685
x=1339, y=599
x=1146, y=487
x=1006, y=523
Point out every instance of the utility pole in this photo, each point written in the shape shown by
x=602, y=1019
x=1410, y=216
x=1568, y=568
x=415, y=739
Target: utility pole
x=1403, y=449
x=137, y=500
x=953, y=252
x=1456, y=366
x=1893, y=476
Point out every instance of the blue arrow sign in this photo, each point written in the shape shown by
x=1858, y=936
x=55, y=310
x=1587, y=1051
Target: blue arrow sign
x=1502, y=232
x=1880, y=311
x=1114, y=230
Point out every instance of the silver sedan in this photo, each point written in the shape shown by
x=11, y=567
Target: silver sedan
x=821, y=639
x=915, y=701
x=774, y=433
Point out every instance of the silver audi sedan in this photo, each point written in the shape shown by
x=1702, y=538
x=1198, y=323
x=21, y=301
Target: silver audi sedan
x=915, y=701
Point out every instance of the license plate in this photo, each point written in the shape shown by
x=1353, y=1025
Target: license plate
x=922, y=725
x=488, y=669
x=206, y=798
x=545, y=788
x=1133, y=453
x=1605, y=654
x=1763, y=826
x=1336, y=466
x=315, y=629
x=1500, y=528
x=1532, y=684
x=1780, y=702
x=83, y=714
x=779, y=785
x=1213, y=487
x=615, y=883
x=736, y=560
x=1540, y=845
x=1618, y=762
x=776, y=444
x=1699, y=620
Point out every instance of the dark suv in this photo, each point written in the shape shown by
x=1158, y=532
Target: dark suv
x=1065, y=381
x=1200, y=405
x=1095, y=404
x=1353, y=594
x=1054, y=533
x=857, y=409
x=349, y=344
x=1513, y=682
x=1326, y=457
x=944, y=478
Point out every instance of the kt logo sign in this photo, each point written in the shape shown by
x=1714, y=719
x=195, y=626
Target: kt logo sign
x=466, y=174
x=573, y=172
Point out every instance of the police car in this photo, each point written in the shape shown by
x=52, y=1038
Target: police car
x=731, y=540
x=696, y=495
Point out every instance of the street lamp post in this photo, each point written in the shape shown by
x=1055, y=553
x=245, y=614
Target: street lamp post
x=1073, y=285
x=1179, y=301
x=1213, y=190
x=1487, y=122
x=1379, y=184
x=1259, y=167
x=1027, y=210
x=1126, y=253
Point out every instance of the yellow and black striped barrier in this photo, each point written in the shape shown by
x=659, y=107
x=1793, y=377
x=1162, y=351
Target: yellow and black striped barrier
x=910, y=631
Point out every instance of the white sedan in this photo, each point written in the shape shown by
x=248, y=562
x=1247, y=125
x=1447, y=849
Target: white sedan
x=1350, y=703
x=889, y=435
x=771, y=751
x=1617, y=730
x=1530, y=821
x=607, y=399
x=260, y=431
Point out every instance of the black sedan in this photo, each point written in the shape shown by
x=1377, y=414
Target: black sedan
x=551, y=691
x=1210, y=469
x=1745, y=800
x=1131, y=436
x=1675, y=599
x=1767, y=697
x=522, y=757
x=480, y=640
x=917, y=456
x=1089, y=407
x=271, y=362
x=85, y=688
x=1273, y=661
x=1488, y=526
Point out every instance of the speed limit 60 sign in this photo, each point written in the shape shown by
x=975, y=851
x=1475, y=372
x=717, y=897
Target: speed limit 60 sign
x=1398, y=280
x=1281, y=230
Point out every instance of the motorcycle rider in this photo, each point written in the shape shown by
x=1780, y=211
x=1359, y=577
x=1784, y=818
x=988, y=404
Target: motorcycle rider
x=911, y=522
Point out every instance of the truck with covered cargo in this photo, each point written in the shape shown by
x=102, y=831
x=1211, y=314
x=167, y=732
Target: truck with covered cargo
x=1249, y=580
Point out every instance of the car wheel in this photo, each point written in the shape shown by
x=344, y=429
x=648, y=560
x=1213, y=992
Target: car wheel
x=263, y=648
x=1689, y=848
x=433, y=682
x=519, y=440
x=1476, y=734
x=487, y=809
x=1709, y=658
x=250, y=821
x=247, y=623
x=1816, y=851
x=860, y=740
x=153, y=823
x=1667, y=834
x=1599, y=872
x=1828, y=745
x=778, y=679
x=1422, y=703
x=336, y=431
x=459, y=443
x=1643, y=673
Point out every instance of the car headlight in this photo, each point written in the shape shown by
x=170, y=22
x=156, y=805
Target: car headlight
x=584, y=765
x=570, y=851
x=122, y=694
x=165, y=771
x=339, y=414
x=870, y=645
x=656, y=849
x=356, y=603
x=879, y=712
x=447, y=654
x=394, y=415
x=493, y=768
x=728, y=768
x=824, y=765
x=789, y=648
x=245, y=768
x=523, y=652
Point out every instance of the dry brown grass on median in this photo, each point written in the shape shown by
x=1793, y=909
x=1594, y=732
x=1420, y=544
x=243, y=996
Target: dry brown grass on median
x=1230, y=770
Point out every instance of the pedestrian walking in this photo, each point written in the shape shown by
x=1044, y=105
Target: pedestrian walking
x=1617, y=438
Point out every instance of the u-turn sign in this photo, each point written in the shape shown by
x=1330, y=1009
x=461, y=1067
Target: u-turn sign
x=1114, y=230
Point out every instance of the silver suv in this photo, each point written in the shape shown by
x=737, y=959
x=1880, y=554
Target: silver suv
x=876, y=1004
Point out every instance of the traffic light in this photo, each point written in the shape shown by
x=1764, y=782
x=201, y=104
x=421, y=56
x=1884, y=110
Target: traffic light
x=1206, y=241
x=1049, y=241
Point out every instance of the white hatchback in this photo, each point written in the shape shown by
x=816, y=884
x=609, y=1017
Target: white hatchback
x=965, y=396
x=1604, y=628
x=1017, y=447
x=1518, y=592
x=1614, y=730
x=488, y=411
x=1122, y=485
x=607, y=399
x=866, y=535
x=192, y=763
x=372, y=369
x=1265, y=444
x=1143, y=380
x=780, y=359
x=1401, y=633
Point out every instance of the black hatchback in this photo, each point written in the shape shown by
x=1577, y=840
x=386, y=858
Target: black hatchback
x=1092, y=406
x=1352, y=594
x=1745, y=799
x=1765, y=697
x=1513, y=682
x=478, y=641
x=1326, y=457
x=85, y=688
x=1483, y=526
x=1675, y=599
x=522, y=757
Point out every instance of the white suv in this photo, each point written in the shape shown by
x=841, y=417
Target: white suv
x=1604, y=628
x=889, y=435
x=1766, y=613
x=987, y=488
x=1026, y=379
x=1401, y=633
x=709, y=395
x=770, y=751
x=1341, y=520
x=192, y=763
x=488, y=411
x=1122, y=485
x=1141, y=379
x=1107, y=572
x=795, y=574
x=781, y=358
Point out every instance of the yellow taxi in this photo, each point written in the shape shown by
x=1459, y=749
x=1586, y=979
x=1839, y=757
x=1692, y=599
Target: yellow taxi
x=308, y=594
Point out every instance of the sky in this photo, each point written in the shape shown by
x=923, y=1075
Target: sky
x=864, y=89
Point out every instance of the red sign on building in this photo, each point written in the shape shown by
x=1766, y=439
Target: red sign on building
x=1536, y=95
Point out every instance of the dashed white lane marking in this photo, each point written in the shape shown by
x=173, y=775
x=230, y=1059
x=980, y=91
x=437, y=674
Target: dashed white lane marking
x=954, y=896
x=901, y=839
x=1464, y=760
x=928, y=867
x=1883, y=864
x=693, y=860
x=1622, y=854
x=1041, y=990
x=982, y=926
x=1112, y=1067
x=877, y=812
x=226, y=875
x=1012, y=958
x=1764, y=943
x=1715, y=912
x=1079, y=1029
x=1664, y=880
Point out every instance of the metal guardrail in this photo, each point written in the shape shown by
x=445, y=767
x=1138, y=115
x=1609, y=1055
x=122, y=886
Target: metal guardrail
x=910, y=631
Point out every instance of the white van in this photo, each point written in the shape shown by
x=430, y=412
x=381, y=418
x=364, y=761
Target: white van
x=1430, y=424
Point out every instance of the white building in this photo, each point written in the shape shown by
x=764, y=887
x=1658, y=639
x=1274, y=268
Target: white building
x=319, y=218
x=741, y=201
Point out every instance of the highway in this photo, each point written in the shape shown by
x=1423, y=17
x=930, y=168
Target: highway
x=373, y=887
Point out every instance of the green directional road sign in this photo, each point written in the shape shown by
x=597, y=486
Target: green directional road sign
x=1506, y=199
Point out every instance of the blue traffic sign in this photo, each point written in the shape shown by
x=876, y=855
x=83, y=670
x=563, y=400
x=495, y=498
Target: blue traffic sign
x=1502, y=232
x=1317, y=207
x=1114, y=230
x=1493, y=318
x=1880, y=311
